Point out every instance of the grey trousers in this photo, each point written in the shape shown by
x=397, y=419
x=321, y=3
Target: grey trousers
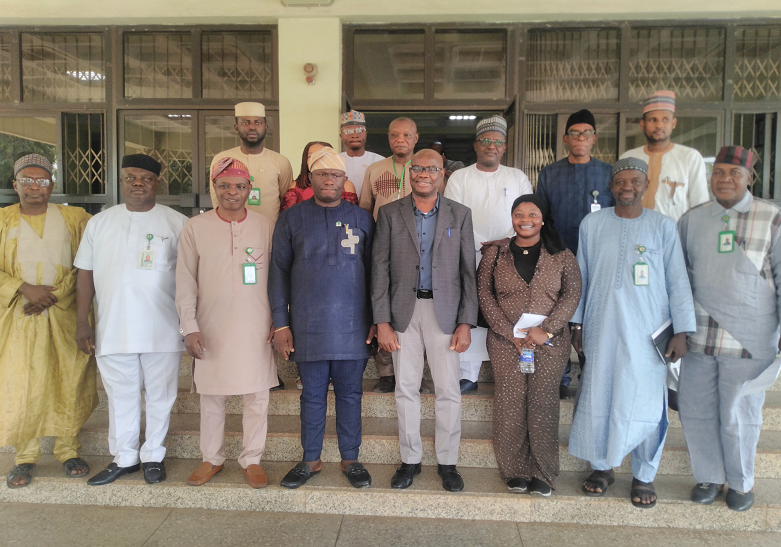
x=720, y=424
x=424, y=334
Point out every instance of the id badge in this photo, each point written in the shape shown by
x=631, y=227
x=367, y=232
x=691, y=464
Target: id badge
x=595, y=207
x=726, y=241
x=254, y=197
x=641, y=274
x=249, y=274
x=146, y=259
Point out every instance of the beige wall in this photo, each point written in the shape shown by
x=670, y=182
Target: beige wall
x=85, y=12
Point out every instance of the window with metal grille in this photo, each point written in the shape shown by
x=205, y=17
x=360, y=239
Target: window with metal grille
x=688, y=61
x=23, y=135
x=389, y=65
x=572, y=65
x=84, y=155
x=540, y=144
x=757, y=64
x=758, y=133
x=63, y=67
x=158, y=65
x=237, y=65
x=470, y=65
x=5, y=68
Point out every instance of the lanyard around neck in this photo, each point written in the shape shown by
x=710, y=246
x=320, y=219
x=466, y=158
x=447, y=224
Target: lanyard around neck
x=401, y=180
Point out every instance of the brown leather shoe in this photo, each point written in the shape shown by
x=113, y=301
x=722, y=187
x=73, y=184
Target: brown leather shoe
x=256, y=477
x=204, y=473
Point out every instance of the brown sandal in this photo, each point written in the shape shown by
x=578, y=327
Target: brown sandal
x=601, y=480
x=204, y=473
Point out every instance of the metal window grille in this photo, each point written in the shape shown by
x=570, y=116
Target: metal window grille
x=541, y=142
x=158, y=66
x=757, y=132
x=237, y=65
x=63, y=67
x=5, y=68
x=84, y=154
x=606, y=147
x=757, y=64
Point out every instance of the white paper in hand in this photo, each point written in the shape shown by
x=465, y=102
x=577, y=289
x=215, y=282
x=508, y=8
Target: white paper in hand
x=527, y=321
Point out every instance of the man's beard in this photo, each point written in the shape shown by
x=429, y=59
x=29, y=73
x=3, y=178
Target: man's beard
x=256, y=144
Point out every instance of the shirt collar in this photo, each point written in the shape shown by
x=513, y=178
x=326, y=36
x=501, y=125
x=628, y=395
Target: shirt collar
x=742, y=206
x=419, y=212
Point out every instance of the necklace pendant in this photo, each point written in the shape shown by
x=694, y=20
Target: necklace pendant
x=525, y=252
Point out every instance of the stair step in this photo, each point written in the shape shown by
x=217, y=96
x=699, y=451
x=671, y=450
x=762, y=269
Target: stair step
x=484, y=498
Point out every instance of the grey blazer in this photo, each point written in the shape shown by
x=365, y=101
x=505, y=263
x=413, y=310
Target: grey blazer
x=396, y=261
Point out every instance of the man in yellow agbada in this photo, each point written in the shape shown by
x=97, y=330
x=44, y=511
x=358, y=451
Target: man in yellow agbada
x=47, y=384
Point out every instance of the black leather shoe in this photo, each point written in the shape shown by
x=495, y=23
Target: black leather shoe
x=517, y=484
x=536, y=486
x=672, y=399
x=467, y=386
x=387, y=384
x=404, y=475
x=280, y=386
x=154, y=472
x=297, y=476
x=706, y=493
x=112, y=473
x=564, y=393
x=358, y=475
x=451, y=478
x=739, y=501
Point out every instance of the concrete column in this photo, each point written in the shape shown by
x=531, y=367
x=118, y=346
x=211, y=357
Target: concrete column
x=309, y=112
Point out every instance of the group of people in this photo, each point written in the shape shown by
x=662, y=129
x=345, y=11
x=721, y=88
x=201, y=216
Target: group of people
x=455, y=265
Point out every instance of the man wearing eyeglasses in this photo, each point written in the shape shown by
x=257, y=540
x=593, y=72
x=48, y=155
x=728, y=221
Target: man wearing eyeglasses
x=424, y=299
x=127, y=263
x=356, y=157
x=488, y=189
x=38, y=241
x=574, y=187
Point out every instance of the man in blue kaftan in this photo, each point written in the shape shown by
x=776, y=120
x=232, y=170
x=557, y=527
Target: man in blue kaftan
x=634, y=280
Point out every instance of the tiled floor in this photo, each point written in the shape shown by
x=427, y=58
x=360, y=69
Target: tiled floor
x=88, y=526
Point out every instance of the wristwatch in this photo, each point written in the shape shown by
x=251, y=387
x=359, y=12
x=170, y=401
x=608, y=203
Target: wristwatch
x=549, y=335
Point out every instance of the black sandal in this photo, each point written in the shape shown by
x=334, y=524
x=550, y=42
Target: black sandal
x=71, y=464
x=638, y=489
x=23, y=470
x=601, y=480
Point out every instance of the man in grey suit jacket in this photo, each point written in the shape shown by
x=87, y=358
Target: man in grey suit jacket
x=424, y=298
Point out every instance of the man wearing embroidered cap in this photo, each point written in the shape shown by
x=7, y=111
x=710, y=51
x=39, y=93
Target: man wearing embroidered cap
x=732, y=246
x=222, y=299
x=634, y=280
x=38, y=240
x=489, y=189
x=270, y=173
x=126, y=262
x=356, y=157
x=319, y=291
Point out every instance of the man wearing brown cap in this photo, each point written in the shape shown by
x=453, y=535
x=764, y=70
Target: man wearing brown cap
x=127, y=261
x=732, y=246
x=222, y=299
x=356, y=158
x=270, y=172
x=38, y=241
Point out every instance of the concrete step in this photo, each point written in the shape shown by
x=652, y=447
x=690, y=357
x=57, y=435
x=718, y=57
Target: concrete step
x=475, y=406
x=484, y=498
x=380, y=443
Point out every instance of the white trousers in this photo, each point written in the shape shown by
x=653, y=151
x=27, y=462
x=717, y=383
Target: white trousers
x=124, y=375
x=472, y=359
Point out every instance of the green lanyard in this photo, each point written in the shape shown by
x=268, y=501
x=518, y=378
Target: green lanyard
x=401, y=181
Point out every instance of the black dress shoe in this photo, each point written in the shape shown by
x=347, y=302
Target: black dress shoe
x=564, y=393
x=154, y=472
x=536, y=486
x=297, y=476
x=280, y=386
x=404, y=475
x=387, y=384
x=358, y=475
x=467, y=386
x=112, y=473
x=706, y=493
x=451, y=478
x=739, y=501
x=517, y=484
x=672, y=399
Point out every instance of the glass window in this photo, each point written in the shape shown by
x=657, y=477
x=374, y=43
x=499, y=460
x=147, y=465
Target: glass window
x=5, y=68
x=758, y=64
x=84, y=154
x=606, y=147
x=541, y=142
x=688, y=61
x=158, y=66
x=168, y=139
x=24, y=135
x=698, y=132
x=758, y=133
x=572, y=65
x=63, y=68
x=237, y=65
x=470, y=65
x=388, y=65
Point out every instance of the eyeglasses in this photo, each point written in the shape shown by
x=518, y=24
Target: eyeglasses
x=357, y=130
x=496, y=142
x=430, y=169
x=577, y=134
x=325, y=175
x=146, y=179
x=42, y=183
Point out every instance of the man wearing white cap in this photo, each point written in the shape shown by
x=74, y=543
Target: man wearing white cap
x=356, y=157
x=676, y=178
x=270, y=172
x=489, y=189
